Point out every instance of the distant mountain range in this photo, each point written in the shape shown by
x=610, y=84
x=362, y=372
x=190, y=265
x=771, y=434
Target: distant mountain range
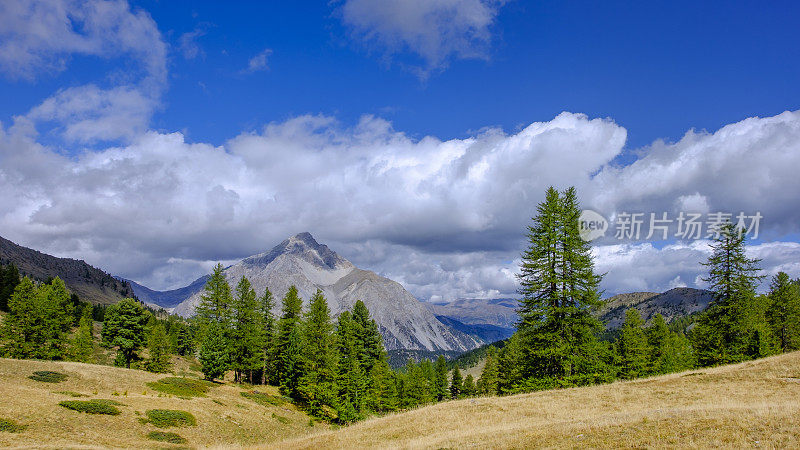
x=674, y=303
x=87, y=282
x=404, y=321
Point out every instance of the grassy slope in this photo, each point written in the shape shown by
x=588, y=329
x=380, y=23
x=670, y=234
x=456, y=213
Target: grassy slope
x=35, y=404
x=755, y=403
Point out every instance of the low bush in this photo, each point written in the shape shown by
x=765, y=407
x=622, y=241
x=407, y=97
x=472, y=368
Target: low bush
x=47, y=376
x=280, y=419
x=165, y=436
x=70, y=393
x=263, y=398
x=93, y=406
x=164, y=418
x=9, y=426
x=181, y=387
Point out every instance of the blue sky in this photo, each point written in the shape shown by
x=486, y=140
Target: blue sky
x=214, y=130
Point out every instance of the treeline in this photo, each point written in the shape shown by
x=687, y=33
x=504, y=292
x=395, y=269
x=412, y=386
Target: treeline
x=558, y=343
x=45, y=321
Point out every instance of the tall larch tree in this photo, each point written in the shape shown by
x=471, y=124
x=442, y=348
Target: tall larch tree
x=288, y=343
x=245, y=331
x=783, y=313
x=633, y=348
x=317, y=385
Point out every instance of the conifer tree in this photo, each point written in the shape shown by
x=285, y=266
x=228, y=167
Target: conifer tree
x=658, y=335
x=468, y=387
x=82, y=345
x=124, y=328
x=214, y=357
x=9, y=279
x=288, y=343
x=783, y=313
x=441, y=385
x=510, y=365
x=382, y=390
x=159, y=348
x=267, y=340
x=317, y=385
x=215, y=302
x=369, y=338
x=184, y=342
x=352, y=382
x=21, y=326
x=488, y=381
x=417, y=391
x=559, y=288
x=245, y=332
x=633, y=346
x=456, y=384
x=734, y=327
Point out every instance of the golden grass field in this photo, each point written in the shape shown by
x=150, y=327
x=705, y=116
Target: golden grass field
x=753, y=404
x=224, y=417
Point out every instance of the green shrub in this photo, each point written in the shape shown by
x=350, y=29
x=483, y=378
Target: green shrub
x=47, y=376
x=93, y=406
x=164, y=418
x=280, y=419
x=165, y=436
x=181, y=387
x=10, y=426
x=263, y=398
x=70, y=393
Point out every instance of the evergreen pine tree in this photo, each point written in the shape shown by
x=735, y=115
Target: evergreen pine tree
x=159, y=349
x=734, y=327
x=658, y=335
x=488, y=381
x=352, y=383
x=468, y=387
x=559, y=288
x=214, y=358
x=123, y=328
x=288, y=343
x=9, y=279
x=456, y=384
x=215, y=302
x=633, y=346
x=441, y=384
x=370, y=340
x=82, y=345
x=316, y=386
x=783, y=314
x=382, y=390
x=21, y=326
x=245, y=332
x=267, y=339
x=510, y=365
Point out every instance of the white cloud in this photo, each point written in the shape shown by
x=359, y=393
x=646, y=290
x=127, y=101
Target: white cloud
x=437, y=31
x=39, y=37
x=187, y=43
x=259, y=62
x=444, y=217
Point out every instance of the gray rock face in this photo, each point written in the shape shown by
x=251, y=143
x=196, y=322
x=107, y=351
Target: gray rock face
x=404, y=322
x=501, y=312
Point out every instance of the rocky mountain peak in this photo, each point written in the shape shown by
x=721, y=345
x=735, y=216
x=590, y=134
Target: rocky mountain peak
x=307, y=248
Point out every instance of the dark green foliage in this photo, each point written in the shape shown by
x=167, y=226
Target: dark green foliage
x=82, y=346
x=9, y=279
x=488, y=382
x=214, y=354
x=783, y=313
x=267, y=336
x=93, y=406
x=9, y=426
x=245, y=332
x=216, y=300
x=181, y=387
x=734, y=328
x=456, y=384
x=632, y=345
x=468, y=388
x=165, y=418
x=317, y=384
x=38, y=320
x=288, y=344
x=184, y=344
x=440, y=381
x=47, y=376
x=124, y=328
x=166, y=436
x=264, y=398
x=559, y=288
x=71, y=394
x=159, y=348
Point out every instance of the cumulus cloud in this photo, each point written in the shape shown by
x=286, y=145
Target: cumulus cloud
x=40, y=37
x=437, y=31
x=444, y=217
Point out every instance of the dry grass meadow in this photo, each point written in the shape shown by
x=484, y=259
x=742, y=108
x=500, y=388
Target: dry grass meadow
x=224, y=416
x=753, y=404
